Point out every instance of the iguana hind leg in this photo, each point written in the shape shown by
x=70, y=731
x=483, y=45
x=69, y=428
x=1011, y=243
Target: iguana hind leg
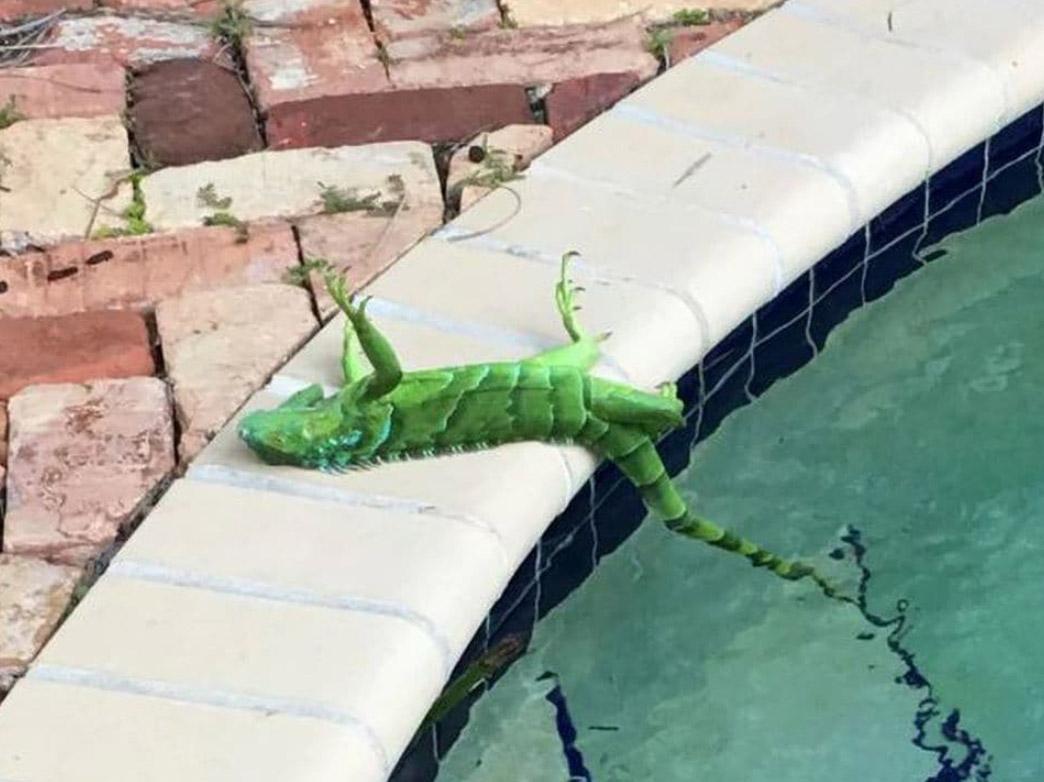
x=583, y=351
x=353, y=363
x=386, y=369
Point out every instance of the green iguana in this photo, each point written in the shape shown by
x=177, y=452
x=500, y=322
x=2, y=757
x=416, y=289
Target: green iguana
x=388, y=414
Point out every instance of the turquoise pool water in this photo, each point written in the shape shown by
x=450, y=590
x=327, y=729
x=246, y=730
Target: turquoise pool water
x=915, y=441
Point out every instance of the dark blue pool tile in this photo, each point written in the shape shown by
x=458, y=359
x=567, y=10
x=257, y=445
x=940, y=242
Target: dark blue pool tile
x=885, y=269
x=902, y=217
x=1012, y=186
x=576, y=513
x=730, y=394
x=515, y=610
x=619, y=513
x=453, y=723
x=792, y=302
x=839, y=264
x=567, y=567
x=956, y=179
x=419, y=762
x=690, y=388
x=1017, y=139
x=723, y=357
x=781, y=354
x=676, y=447
x=833, y=307
x=960, y=216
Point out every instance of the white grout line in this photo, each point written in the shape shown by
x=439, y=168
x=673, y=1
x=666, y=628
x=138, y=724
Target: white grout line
x=728, y=62
x=209, y=696
x=824, y=17
x=231, y=476
x=171, y=576
x=539, y=169
x=644, y=116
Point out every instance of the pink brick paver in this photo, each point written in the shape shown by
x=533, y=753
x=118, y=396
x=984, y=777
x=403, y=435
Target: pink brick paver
x=574, y=102
x=131, y=41
x=83, y=460
x=205, y=9
x=186, y=111
x=513, y=146
x=529, y=57
x=71, y=348
x=323, y=87
x=139, y=271
x=33, y=599
x=687, y=41
x=3, y=437
x=66, y=90
x=364, y=244
x=395, y=19
x=11, y=10
x=221, y=346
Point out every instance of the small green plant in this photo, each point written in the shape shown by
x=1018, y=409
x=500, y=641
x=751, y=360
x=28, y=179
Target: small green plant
x=690, y=17
x=336, y=200
x=133, y=215
x=659, y=42
x=229, y=220
x=300, y=274
x=9, y=114
x=232, y=25
x=207, y=196
x=458, y=33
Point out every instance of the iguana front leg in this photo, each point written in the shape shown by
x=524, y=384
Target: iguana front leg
x=386, y=369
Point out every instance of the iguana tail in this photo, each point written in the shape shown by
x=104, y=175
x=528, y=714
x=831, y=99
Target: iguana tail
x=632, y=450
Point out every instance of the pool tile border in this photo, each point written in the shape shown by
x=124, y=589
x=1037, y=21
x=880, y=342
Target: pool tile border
x=777, y=340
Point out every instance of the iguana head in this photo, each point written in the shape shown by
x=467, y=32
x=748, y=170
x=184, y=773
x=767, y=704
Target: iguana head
x=309, y=431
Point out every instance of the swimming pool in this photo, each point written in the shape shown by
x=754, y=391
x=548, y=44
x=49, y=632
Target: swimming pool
x=899, y=458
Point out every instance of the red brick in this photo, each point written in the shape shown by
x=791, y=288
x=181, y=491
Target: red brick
x=396, y=19
x=69, y=90
x=72, y=348
x=528, y=57
x=188, y=111
x=364, y=245
x=139, y=271
x=3, y=436
x=84, y=461
x=295, y=64
x=169, y=8
x=574, y=102
x=687, y=41
x=442, y=87
x=11, y=10
x=132, y=41
x=307, y=13
x=425, y=115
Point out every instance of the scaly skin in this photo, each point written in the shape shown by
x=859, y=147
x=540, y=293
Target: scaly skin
x=388, y=415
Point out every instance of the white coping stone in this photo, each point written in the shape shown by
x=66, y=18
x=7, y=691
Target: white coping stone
x=769, y=196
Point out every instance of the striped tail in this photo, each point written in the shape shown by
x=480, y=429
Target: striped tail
x=636, y=456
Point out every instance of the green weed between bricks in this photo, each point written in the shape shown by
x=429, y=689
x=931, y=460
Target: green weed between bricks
x=133, y=215
x=9, y=114
x=207, y=196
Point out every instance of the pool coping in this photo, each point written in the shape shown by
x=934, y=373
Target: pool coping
x=261, y=614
